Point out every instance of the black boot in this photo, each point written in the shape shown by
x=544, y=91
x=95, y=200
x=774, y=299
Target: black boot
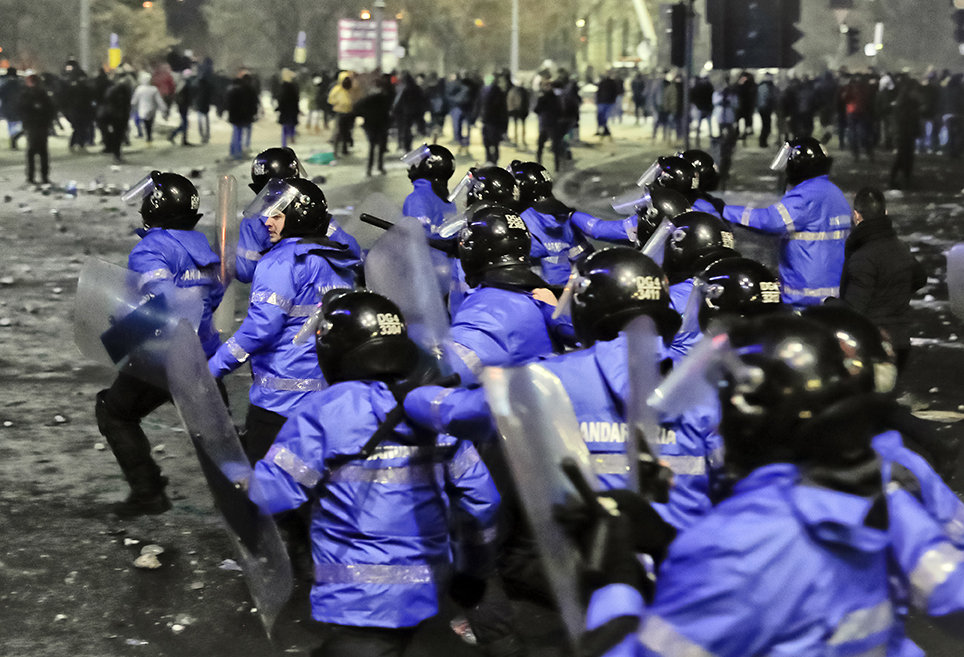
x=133, y=453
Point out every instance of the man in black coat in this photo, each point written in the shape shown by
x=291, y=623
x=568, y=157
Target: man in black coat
x=880, y=275
x=38, y=112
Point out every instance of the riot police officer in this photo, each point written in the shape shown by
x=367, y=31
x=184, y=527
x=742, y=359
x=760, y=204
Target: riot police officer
x=171, y=254
x=253, y=237
x=288, y=284
x=381, y=518
x=430, y=168
x=708, y=178
x=813, y=219
x=506, y=317
x=556, y=243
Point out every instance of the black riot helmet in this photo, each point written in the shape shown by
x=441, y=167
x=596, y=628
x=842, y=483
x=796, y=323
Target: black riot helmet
x=614, y=286
x=492, y=184
x=168, y=200
x=803, y=159
x=494, y=245
x=672, y=172
x=736, y=288
x=787, y=371
x=706, y=169
x=432, y=162
x=697, y=240
x=868, y=353
x=362, y=336
x=301, y=201
x=663, y=203
x=274, y=163
x=535, y=183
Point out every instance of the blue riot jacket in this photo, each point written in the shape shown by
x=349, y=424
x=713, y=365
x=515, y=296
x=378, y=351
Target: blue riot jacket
x=426, y=206
x=380, y=527
x=703, y=204
x=503, y=327
x=288, y=284
x=777, y=568
x=620, y=231
x=254, y=241
x=555, y=245
x=814, y=219
x=597, y=381
x=930, y=567
x=912, y=471
x=687, y=336
x=181, y=258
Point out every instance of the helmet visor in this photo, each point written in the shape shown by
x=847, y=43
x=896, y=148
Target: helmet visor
x=451, y=226
x=140, y=190
x=275, y=197
x=416, y=155
x=629, y=202
x=655, y=246
x=463, y=186
x=694, y=380
x=650, y=175
x=780, y=161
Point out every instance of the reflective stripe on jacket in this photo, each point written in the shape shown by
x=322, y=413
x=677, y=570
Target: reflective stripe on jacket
x=380, y=526
x=814, y=219
x=182, y=258
x=289, y=282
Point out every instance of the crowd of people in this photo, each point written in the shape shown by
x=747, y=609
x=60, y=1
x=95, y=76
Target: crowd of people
x=792, y=509
x=865, y=112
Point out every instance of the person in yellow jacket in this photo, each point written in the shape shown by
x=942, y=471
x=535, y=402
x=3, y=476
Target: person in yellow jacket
x=341, y=100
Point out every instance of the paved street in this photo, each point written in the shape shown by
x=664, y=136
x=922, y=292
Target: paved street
x=67, y=581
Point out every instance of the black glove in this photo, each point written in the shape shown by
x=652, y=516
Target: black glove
x=466, y=590
x=647, y=531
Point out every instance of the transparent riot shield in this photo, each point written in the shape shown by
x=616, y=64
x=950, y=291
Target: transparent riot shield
x=955, y=279
x=229, y=229
x=691, y=314
x=692, y=380
x=540, y=436
x=117, y=325
x=643, y=348
x=400, y=266
x=376, y=204
x=262, y=554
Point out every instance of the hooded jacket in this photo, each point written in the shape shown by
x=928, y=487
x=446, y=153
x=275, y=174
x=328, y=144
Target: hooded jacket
x=288, y=284
x=780, y=567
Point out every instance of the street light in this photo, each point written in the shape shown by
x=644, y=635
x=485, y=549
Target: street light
x=365, y=15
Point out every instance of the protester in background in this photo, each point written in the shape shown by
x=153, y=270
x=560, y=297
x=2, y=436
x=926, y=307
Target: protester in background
x=906, y=129
x=184, y=98
x=880, y=275
x=517, y=101
x=242, y=105
x=341, y=101
x=38, y=113
x=287, y=99
x=203, y=93
x=408, y=106
x=10, y=89
x=147, y=102
x=493, y=112
x=549, y=108
x=375, y=109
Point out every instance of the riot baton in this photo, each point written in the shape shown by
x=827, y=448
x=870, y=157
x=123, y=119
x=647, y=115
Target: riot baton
x=448, y=247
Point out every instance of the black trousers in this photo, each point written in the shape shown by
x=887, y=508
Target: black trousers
x=37, y=148
x=348, y=641
x=261, y=427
